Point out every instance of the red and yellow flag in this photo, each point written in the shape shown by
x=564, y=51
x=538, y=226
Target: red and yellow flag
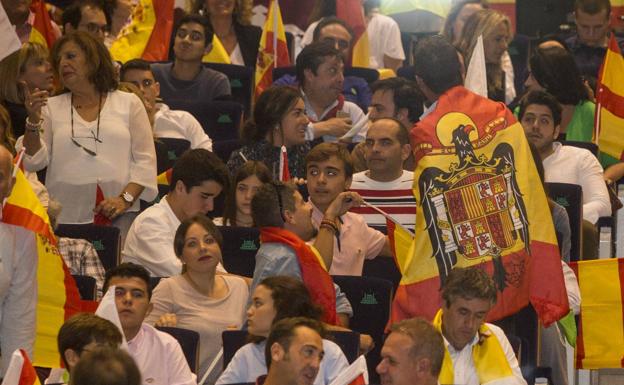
x=20, y=370
x=480, y=203
x=42, y=31
x=218, y=53
x=609, y=124
x=600, y=342
x=273, y=51
x=149, y=33
x=57, y=297
x=164, y=178
x=352, y=13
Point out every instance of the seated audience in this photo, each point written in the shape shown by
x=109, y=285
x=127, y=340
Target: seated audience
x=457, y=17
x=412, y=354
x=337, y=31
x=157, y=354
x=231, y=23
x=237, y=211
x=278, y=124
x=106, y=367
x=90, y=138
x=284, y=219
x=186, y=77
x=540, y=116
x=294, y=352
x=88, y=16
x=79, y=255
x=198, y=299
x=167, y=123
x=28, y=67
x=198, y=177
x=18, y=276
x=82, y=333
x=274, y=299
x=319, y=73
x=386, y=184
x=329, y=174
x=497, y=33
x=468, y=294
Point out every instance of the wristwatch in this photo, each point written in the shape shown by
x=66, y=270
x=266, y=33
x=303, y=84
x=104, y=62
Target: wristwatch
x=127, y=197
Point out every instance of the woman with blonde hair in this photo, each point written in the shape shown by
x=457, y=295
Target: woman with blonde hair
x=231, y=23
x=29, y=66
x=497, y=33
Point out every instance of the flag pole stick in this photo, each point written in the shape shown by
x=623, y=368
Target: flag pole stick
x=386, y=215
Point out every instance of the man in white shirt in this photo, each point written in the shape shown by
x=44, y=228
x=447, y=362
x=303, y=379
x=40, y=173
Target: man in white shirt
x=386, y=184
x=198, y=177
x=157, y=354
x=167, y=123
x=412, y=354
x=294, y=352
x=540, y=116
x=18, y=276
x=479, y=352
x=320, y=75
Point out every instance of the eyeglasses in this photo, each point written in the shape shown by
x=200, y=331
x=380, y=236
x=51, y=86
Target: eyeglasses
x=94, y=135
x=95, y=28
x=341, y=43
x=195, y=35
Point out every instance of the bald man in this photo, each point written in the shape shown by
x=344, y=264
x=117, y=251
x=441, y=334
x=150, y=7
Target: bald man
x=18, y=285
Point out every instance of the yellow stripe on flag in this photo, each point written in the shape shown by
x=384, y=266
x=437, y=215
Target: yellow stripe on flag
x=361, y=52
x=217, y=54
x=610, y=140
x=134, y=37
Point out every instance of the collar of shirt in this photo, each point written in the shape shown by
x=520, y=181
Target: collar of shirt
x=556, y=146
x=310, y=111
x=428, y=110
x=135, y=343
x=169, y=211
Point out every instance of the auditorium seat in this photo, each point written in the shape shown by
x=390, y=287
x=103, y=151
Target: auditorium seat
x=189, y=341
x=105, y=239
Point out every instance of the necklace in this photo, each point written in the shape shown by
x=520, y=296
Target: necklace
x=95, y=136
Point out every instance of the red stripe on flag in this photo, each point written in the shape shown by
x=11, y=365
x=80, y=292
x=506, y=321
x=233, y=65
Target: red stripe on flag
x=20, y=216
x=72, y=297
x=580, y=343
x=42, y=22
x=157, y=47
x=611, y=101
x=391, y=226
x=28, y=375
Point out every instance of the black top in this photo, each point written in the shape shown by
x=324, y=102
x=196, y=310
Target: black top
x=248, y=37
x=18, y=115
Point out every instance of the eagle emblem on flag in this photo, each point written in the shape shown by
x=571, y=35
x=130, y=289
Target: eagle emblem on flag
x=475, y=207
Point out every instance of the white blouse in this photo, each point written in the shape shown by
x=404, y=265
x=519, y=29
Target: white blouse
x=125, y=153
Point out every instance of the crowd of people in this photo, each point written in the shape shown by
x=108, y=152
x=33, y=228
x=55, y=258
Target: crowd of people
x=89, y=129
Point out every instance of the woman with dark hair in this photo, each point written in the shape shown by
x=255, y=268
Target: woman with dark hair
x=199, y=299
x=552, y=69
x=231, y=22
x=496, y=31
x=93, y=139
x=237, y=211
x=276, y=298
x=278, y=124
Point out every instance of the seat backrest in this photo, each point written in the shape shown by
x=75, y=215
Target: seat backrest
x=232, y=341
x=174, y=148
x=384, y=268
x=589, y=146
x=570, y=196
x=370, y=299
x=522, y=330
x=368, y=74
x=240, y=245
x=220, y=119
x=224, y=148
x=278, y=72
x=105, y=239
x=189, y=342
x=241, y=82
x=86, y=286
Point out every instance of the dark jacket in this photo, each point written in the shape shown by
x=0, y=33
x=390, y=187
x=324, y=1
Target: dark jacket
x=248, y=37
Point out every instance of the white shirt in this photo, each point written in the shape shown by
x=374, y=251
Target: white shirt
x=125, y=154
x=249, y=363
x=180, y=124
x=384, y=39
x=18, y=290
x=159, y=358
x=149, y=242
x=464, y=370
x=359, y=121
x=568, y=164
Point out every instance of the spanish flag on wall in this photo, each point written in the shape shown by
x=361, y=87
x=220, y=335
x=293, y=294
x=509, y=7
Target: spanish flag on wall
x=57, y=297
x=42, y=31
x=273, y=51
x=480, y=203
x=600, y=342
x=149, y=33
x=610, y=106
x=352, y=13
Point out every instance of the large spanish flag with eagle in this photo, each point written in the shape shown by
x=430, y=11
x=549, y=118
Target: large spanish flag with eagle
x=480, y=204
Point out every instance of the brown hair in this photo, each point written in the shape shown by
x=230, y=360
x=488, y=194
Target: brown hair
x=6, y=133
x=426, y=341
x=203, y=221
x=323, y=151
x=242, y=10
x=12, y=66
x=102, y=73
x=249, y=168
x=468, y=283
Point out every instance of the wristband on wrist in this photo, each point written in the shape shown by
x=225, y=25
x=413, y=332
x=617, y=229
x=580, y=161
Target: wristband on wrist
x=33, y=125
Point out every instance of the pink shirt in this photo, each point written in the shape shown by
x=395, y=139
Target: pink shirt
x=357, y=242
